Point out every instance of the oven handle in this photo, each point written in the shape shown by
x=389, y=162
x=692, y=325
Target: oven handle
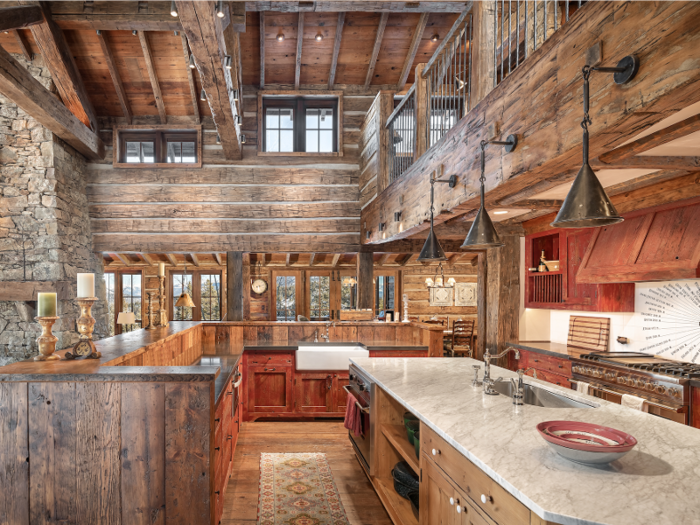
x=364, y=410
x=608, y=391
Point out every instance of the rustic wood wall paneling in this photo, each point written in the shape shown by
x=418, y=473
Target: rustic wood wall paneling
x=14, y=467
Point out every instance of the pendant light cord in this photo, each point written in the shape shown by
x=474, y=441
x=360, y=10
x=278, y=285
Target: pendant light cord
x=482, y=178
x=587, y=70
x=432, y=198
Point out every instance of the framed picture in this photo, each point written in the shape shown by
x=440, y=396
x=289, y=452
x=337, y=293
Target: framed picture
x=441, y=296
x=465, y=294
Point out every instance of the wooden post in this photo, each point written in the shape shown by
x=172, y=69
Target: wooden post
x=386, y=107
x=365, y=280
x=421, y=113
x=245, y=286
x=234, y=286
x=482, y=54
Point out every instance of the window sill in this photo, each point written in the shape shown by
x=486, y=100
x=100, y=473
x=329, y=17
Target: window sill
x=171, y=165
x=298, y=154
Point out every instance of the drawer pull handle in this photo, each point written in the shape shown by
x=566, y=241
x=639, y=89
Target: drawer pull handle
x=436, y=452
x=269, y=369
x=229, y=437
x=229, y=393
x=485, y=498
x=217, y=448
x=217, y=419
x=216, y=492
x=452, y=501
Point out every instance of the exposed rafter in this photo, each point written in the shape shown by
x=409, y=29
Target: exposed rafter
x=311, y=259
x=23, y=45
x=300, y=40
x=116, y=78
x=190, y=79
x=117, y=21
x=649, y=162
x=336, y=260
x=292, y=6
x=406, y=260
x=124, y=259
x=412, y=50
x=148, y=259
x=336, y=48
x=155, y=84
x=219, y=259
x=195, y=260
x=171, y=259
x=377, y=46
x=17, y=17
x=382, y=259
x=288, y=261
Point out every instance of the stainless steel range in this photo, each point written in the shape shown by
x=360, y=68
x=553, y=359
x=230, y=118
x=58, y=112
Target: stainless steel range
x=663, y=383
x=363, y=389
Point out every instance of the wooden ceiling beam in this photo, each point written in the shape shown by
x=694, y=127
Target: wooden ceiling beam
x=233, y=47
x=195, y=260
x=123, y=258
x=649, y=162
x=64, y=73
x=116, y=77
x=237, y=12
x=148, y=259
x=17, y=84
x=17, y=17
x=171, y=259
x=658, y=138
x=406, y=259
x=336, y=48
x=300, y=41
x=412, y=50
x=204, y=32
x=117, y=21
x=153, y=76
x=262, y=50
x=190, y=79
x=537, y=204
x=219, y=259
x=288, y=261
x=23, y=45
x=334, y=6
x=377, y=46
x=336, y=260
x=311, y=259
x=382, y=259
x=452, y=259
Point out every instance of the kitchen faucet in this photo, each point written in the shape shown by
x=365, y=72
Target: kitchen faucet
x=519, y=387
x=488, y=382
x=327, y=335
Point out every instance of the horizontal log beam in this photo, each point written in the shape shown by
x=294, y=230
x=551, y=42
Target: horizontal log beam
x=650, y=162
x=334, y=6
x=118, y=22
x=20, y=16
x=326, y=225
x=17, y=84
x=539, y=101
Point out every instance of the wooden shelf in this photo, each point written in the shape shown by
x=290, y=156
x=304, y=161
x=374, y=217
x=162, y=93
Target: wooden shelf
x=396, y=435
x=399, y=509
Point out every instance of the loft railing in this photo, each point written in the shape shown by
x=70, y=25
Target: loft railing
x=522, y=26
x=402, y=135
x=448, y=76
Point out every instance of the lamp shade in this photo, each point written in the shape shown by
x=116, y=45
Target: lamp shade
x=587, y=205
x=432, y=251
x=126, y=318
x=185, y=300
x=482, y=235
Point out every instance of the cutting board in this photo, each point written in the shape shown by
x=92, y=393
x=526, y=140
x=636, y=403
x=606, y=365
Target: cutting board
x=589, y=333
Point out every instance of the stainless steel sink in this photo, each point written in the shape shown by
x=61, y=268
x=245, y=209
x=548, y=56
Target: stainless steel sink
x=534, y=395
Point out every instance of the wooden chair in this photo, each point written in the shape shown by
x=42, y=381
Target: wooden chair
x=463, y=336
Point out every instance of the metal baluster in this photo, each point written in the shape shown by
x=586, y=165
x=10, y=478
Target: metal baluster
x=534, y=36
x=556, y=18
x=525, y=39
x=546, y=22
x=510, y=30
x=453, y=85
x=495, y=33
x=471, y=25
x=517, y=31
x=567, y=10
x=503, y=14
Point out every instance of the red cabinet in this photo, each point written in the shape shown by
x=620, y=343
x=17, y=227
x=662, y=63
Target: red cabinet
x=270, y=389
x=561, y=289
x=695, y=407
x=555, y=370
x=313, y=392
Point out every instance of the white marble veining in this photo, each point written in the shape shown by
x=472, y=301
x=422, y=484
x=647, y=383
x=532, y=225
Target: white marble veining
x=657, y=483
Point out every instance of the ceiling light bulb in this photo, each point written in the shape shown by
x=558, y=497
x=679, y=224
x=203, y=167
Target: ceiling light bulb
x=203, y=96
x=280, y=37
x=319, y=37
x=435, y=38
x=173, y=8
x=191, y=64
x=220, y=9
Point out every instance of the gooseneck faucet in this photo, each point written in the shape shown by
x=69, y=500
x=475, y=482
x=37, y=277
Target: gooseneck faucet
x=488, y=382
x=327, y=335
x=519, y=386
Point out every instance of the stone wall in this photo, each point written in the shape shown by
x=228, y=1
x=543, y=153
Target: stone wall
x=43, y=208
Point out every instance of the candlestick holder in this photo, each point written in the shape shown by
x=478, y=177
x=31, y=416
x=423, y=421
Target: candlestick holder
x=151, y=324
x=405, y=309
x=162, y=312
x=46, y=341
x=85, y=348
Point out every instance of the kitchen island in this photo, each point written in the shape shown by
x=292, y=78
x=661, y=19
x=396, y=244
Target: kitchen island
x=654, y=484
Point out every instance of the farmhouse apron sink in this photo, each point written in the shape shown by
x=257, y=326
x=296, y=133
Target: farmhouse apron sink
x=328, y=356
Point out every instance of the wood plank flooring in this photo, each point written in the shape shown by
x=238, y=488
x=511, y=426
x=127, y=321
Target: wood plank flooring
x=359, y=499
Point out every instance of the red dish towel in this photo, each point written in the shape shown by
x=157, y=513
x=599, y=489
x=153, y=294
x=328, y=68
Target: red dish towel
x=353, y=416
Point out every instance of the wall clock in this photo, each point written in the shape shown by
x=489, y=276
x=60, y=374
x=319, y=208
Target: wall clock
x=259, y=286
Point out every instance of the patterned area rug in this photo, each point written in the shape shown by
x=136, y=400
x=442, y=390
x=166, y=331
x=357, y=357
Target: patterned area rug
x=298, y=489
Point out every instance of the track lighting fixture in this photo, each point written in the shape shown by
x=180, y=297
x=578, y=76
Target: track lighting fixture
x=482, y=234
x=203, y=96
x=227, y=61
x=192, y=64
x=432, y=251
x=220, y=9
x=173, y=8
x=381, y=226
x=587, y=205
x=280, y=37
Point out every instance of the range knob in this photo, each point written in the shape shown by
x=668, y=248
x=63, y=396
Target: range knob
x=610, y=376
x=650, y=387
x=621, y=380
x=661, y=389
x=676, y=392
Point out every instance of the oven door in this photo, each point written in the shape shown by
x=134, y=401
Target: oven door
x=679, y=414
x=363, y=443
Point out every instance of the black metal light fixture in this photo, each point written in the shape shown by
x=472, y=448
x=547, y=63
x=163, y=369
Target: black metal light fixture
x=173, y=8
x=220, y=9
x=587, y=205
x=227, y=62
x=191, y=62
x=243, y=139
x=381, y=226
x=397, y=216
x=482, y=235
x=432, y=251
x=236, y=95
x=203, y=96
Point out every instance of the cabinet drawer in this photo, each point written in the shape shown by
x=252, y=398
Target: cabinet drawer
x=472, y=481
x=270, y=359
x=547, y=363
x=555, y=379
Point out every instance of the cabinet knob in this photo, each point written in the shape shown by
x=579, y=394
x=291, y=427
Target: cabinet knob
x=452, y=501
x=485, y=498
x=459, y=509
x=436, y=452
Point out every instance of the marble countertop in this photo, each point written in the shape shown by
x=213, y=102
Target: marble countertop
x=656, y=483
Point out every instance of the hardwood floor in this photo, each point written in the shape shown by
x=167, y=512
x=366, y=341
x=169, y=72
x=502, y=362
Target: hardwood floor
x=359, y=499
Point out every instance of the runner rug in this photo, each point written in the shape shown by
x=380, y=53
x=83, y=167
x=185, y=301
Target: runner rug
x=298, y=489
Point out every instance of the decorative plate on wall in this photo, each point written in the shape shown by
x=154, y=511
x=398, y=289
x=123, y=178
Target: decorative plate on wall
x=465, y=294
x=441, y=296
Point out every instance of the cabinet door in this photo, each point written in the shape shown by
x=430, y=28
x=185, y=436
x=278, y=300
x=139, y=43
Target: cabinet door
x=314, y=392
x=437, y=497
x=269, y=389
x=341, y=396
x=576, y=245
x=469, y=514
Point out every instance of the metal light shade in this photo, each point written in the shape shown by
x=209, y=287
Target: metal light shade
x=482, y=235
x=185, y=300
x=432, y=251
x=587, y=205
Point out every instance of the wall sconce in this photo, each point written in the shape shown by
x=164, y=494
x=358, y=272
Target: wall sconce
x=191, y=63
x=397, y=216
x=587, y=205
x=242, y=139
x=482, y=234
x=134, y=32
x=236, y=95
x=280, y=37
x=220, y=9
x=381, y=226
x=432, y=251
x=176, y=33
x=203, y=96
x=368, y=234
x=239, y=120
x=173, y=8
x=227, y=61
x=99, y=32
x=218, y=139
x=319, y=37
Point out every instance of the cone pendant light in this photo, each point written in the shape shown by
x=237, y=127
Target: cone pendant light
x=432, y=251
x=185, y=299
x=587, y=205
x=482, y=235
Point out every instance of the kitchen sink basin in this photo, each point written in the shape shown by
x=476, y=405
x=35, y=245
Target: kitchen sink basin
x=536, y=396
x=328, y=357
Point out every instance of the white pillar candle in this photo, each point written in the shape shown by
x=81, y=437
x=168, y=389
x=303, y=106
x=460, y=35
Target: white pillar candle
x=86, y=285
x=161, y=269
x=46, y=306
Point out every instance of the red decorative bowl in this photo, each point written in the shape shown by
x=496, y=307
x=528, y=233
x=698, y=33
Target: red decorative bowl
x=585, y=442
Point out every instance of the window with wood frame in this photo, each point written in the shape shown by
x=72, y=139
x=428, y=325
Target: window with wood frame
x=300, y=125
x=124, y=294
x=204, y=288
x=159, y=148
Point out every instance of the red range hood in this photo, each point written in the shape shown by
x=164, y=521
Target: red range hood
x=654, y=244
